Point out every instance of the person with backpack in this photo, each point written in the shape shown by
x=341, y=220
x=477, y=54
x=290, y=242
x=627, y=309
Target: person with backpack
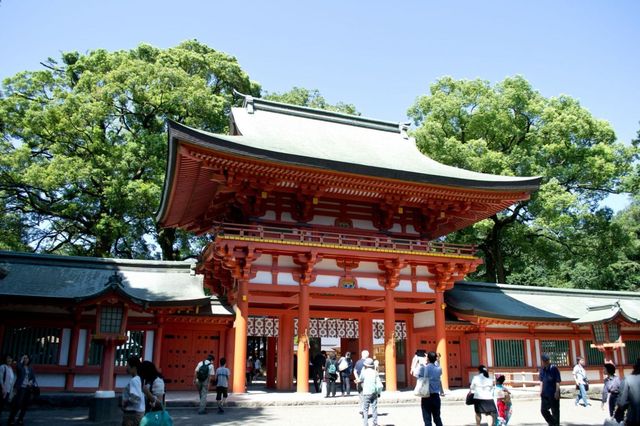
x=331, y=374
x=345, y=366
x=203, y=372
x=371, y=389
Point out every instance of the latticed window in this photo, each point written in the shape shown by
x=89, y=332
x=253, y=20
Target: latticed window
x=633, y=350
x=133, y=346
x=508, y=353
x=475, y=356
x=111, y=319
x=42, y=344
x=614, y=331
x=600, y=333
x=594, y=356
x=558, y=351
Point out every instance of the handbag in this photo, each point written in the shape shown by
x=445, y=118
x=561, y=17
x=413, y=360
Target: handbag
x=157, y=418
x=470, y=398
x=422, y=388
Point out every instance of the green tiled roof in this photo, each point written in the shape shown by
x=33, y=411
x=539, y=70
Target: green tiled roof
x=534, y=303
x=326, y=140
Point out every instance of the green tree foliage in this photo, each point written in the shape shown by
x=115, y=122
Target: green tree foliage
x=561, y=236
x=310, y=98
x=83, y=147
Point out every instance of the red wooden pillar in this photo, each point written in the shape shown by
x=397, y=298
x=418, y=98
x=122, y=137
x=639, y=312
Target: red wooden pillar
x=441, y=337
x=230, y=339
x=285, y=350
x=390, y=340
x=410, y=350
x=271, y=362
x=73, y=354
x=157, y=342
x=107, y=372
x=302, y=382
x=240, y=344
x=365, y=331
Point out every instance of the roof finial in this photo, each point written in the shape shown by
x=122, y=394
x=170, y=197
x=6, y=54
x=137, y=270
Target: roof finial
x=248, y=104
x=403, y=130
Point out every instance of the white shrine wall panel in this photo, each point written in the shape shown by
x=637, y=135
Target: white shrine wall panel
x=286, y=217
x=262, y=277
x=423, y=287
x=328, y=265
x=323, y=220
x=263, y=260
x=269, y=215
x=287, y=261
x=285, y=278
x=363, y=224
x=368, y=283
x=424, y=319
x=326, y=281
x=404, y=285
x=367, y=267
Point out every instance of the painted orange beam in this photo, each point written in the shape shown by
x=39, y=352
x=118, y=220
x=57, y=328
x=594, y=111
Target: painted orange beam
x=240, y=349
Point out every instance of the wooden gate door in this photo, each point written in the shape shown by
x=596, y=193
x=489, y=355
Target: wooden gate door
x=453, y=360
x=181, y=352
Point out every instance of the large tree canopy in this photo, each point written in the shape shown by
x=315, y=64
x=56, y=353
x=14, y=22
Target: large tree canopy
x=83, y=146
x=310, y=98
x=561, y=236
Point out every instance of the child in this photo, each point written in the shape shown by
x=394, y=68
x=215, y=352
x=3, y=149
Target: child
x=503, y=401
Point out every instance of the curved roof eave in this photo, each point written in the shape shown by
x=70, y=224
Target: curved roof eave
x=232, y=145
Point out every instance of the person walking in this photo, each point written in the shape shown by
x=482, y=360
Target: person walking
x=580, y=376
x=22, y=388
x=345, y=365
x=7, y=380
x=203, y=372
x=371, y=388
x=133, y=401
x=357, y=374
x=550, y=391
x=331, y=375
x=611, y=389
x=482, y=388
x=417, y=362
x=431, y=405
x=318, y=369
x=503, y=401
x=221, y=380
x=249, y=370
x=152, y=386
x=629, y=398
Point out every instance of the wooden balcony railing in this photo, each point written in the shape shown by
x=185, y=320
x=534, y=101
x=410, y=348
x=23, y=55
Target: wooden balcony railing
x=347, y=240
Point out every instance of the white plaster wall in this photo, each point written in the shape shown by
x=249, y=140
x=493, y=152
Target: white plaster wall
x=363, y=224
x=368, y=267
x=326, y=281
x=86, y=381
x=369, y=283
x=328, y=265
x=82, y=346
x=489, y=353
x=148, y=344
x=51, y=380
x=323, y=220
x=423, y=287
x=263, y=260
x=424, y=319
x=269, y=215
x=396, y=228
x=423, y=272
x=262, y=277
x=286, y=217
x=64, y=346
x=553, y=327
x=411, y=230
x=286, y=261
x=121, y=381
x=529, y=357
x=404, y=285
x=537, y=346
x=285, y=278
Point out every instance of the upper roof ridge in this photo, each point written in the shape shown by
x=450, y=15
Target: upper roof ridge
x=252, y=104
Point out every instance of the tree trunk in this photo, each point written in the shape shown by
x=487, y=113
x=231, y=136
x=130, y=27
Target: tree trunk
x=166, y=239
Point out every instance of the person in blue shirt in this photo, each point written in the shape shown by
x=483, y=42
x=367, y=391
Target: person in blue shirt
x=550, y=391
x=431, y=405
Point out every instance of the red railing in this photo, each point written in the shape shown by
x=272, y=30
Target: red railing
x=342, y=239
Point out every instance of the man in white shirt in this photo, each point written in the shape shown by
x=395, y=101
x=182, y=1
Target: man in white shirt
x=580, y=376
x=7, y=379
x=132, y=397
x=202, y=375
x=222, y=384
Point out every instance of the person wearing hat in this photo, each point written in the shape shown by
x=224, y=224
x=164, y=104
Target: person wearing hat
x=203, y=372
x=371, y=387
x=550, y=391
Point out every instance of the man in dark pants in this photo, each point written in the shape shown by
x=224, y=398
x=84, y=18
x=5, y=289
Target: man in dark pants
x=431, y=405
x=550, y=392
x=318, y=369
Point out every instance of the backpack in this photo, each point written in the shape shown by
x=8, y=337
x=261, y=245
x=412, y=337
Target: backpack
x=332, y=368
x=203, y=372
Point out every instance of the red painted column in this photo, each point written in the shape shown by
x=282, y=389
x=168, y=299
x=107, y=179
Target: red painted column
x=441, y=337
x=73, y=354
x=240, y=345
x=230, y=339
x=285, y=353
x=107, y=371
x=271, y=362
x=302, y=382
x=390, y=340
x=157, y=342
x=365, y=331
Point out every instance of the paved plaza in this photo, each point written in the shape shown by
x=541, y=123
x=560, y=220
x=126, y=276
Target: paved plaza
x=396, y=410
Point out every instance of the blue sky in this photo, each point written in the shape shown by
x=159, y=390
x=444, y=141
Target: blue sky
x=377, y=55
